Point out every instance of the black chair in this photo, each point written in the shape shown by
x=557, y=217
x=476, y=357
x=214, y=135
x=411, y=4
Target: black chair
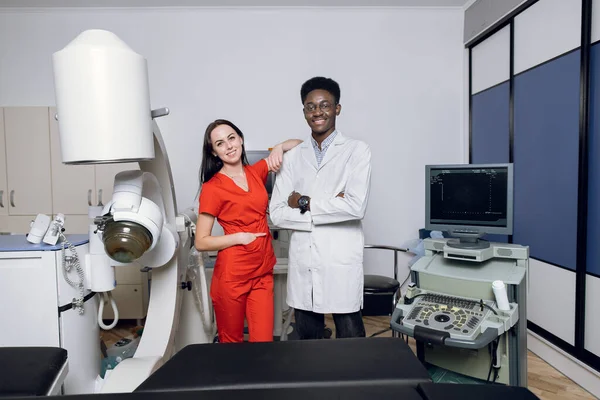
x=381, y=293
x=32, y=371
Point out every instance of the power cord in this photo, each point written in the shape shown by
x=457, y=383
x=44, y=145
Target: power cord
x=69, y=262
x=494, y=360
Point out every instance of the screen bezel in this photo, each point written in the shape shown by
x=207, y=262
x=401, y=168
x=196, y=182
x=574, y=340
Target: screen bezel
x=481, y=229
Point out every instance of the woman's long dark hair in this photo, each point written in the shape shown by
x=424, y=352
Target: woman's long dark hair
x=212, y=164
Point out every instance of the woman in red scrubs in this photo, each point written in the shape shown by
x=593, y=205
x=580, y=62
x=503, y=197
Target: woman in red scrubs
x=234, y=193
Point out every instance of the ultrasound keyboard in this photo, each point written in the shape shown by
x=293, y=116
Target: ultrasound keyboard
x=460, y=317
x=451, y=320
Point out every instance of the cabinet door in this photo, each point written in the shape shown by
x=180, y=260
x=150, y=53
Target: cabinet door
x=129, y=274
x=129, y=300
x=77, y=224
x=105, y=179
x=29, y=309
x=20, y=224
x=28, y=160
x=73, y=186
x=3, y=186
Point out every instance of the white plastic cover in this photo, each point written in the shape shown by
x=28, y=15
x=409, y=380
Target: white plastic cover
x=103, y=101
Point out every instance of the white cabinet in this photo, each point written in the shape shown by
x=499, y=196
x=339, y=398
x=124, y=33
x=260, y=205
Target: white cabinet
x=28, y=173
x=3, y=184
x=32, y=288
x=76, y=187
x=15, y=223
x=31, y=319
x=130, y=295
x=73, y=186
x=73, y=197
x=105, y=179
x=33, y=180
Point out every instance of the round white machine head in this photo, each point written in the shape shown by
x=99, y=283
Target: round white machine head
x=102, y=100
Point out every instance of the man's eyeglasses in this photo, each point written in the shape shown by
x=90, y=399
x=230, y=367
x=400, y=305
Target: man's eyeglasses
x=324, y=106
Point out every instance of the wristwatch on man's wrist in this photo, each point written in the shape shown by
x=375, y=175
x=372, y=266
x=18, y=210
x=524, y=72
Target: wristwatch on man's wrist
x=303, y=203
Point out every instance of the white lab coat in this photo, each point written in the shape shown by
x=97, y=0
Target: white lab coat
x=325, y=264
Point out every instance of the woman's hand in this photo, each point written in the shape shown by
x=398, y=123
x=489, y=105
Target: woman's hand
x=275, y=158
x=245, y=238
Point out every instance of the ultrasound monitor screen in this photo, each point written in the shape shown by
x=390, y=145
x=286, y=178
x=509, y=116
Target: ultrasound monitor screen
x=469, y=196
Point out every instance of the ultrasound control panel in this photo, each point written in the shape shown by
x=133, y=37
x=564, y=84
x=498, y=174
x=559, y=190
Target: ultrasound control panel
x=460, y=317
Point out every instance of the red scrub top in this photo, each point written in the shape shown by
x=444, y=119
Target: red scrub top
x=239, y=211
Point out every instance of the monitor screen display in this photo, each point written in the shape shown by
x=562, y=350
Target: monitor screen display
x=470, y=196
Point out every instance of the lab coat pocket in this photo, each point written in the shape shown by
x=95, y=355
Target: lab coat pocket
x=299, y=248
x=344, y=287
x=345, y=244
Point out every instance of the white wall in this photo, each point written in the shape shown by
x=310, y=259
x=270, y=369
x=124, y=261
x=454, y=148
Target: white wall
x=400, y=70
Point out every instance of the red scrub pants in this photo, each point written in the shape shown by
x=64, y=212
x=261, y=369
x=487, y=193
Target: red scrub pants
x=252, y=299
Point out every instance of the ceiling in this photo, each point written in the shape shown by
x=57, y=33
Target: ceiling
x=232, y=3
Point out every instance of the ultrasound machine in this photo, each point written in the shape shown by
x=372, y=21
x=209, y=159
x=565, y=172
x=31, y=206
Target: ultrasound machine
x=466, y=305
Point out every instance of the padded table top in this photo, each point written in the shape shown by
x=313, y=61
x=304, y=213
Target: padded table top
x=427, y=391
x=452, y=391
x=29, y=371
x=355, y=362
x=329, y=393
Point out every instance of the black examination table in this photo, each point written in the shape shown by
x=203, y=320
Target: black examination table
x=371, y=369
x=290, y=364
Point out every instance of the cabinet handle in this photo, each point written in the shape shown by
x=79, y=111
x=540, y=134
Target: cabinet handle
x=90, y=197
x=12, y=198
x=1, y=198
x=100, y=197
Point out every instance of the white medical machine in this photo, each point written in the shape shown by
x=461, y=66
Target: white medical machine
x=47, y=306
x=466, y=305
x=104, y=116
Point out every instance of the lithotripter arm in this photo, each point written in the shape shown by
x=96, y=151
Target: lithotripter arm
x=160, y=167
x=164, y=299
x=157, y=342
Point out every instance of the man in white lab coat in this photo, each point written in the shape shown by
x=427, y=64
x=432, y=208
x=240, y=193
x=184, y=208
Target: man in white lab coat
x=321, y=194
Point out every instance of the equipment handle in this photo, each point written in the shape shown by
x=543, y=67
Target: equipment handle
x=482, y=340
x=397, y=326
